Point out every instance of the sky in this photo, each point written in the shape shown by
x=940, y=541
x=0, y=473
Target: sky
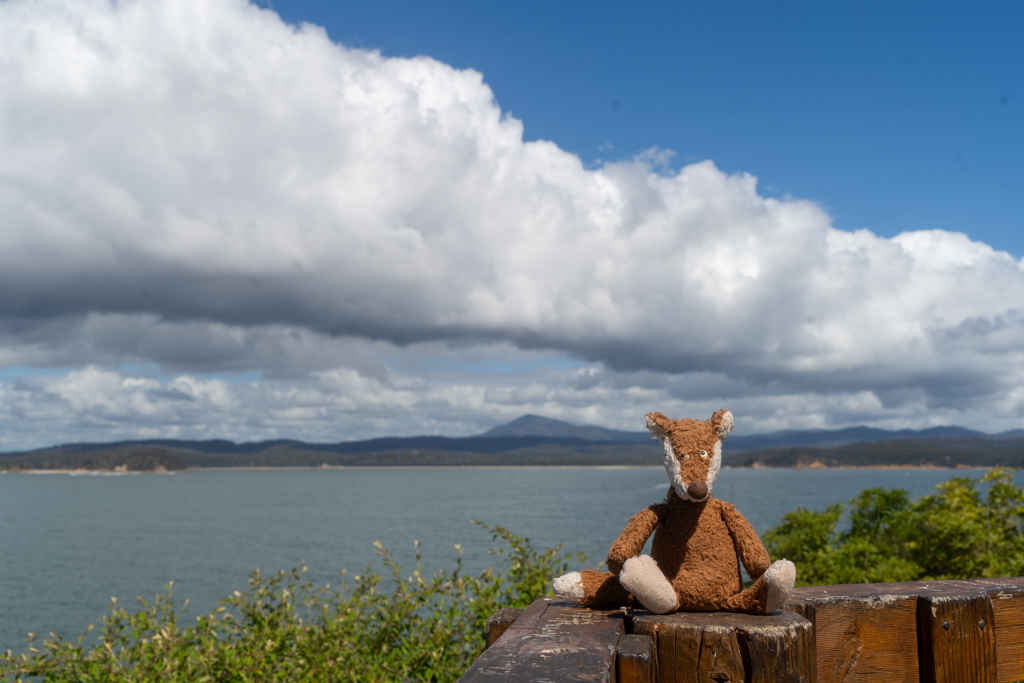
x=331, y=220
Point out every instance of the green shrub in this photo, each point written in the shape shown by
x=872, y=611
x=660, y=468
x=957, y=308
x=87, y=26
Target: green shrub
x=400, y=628
x=951, y=534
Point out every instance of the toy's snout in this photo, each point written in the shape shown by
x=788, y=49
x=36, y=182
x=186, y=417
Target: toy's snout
x=698, y=490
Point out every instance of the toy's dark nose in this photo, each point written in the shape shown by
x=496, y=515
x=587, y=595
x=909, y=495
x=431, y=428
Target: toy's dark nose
x=698, y=490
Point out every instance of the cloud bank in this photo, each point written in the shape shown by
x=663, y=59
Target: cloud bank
x=198, y=185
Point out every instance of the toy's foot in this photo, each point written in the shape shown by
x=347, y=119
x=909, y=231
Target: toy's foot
x=569, y=587
x=779, y=578
x=641, y=577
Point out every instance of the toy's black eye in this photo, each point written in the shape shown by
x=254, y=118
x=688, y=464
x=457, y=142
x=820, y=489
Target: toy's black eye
x=703, y=454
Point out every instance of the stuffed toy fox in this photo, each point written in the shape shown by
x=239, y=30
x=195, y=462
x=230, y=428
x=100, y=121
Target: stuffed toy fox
x=698, y=544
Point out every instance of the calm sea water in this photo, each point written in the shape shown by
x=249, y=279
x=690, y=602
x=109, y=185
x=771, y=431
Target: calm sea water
x=69, y=543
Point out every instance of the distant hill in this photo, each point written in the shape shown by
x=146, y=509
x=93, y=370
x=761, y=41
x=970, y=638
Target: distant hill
x=535, y=425
x=832, y=438
x=536, y=440
x=902, y=452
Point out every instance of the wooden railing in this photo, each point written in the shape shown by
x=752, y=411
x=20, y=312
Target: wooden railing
x=929, y=631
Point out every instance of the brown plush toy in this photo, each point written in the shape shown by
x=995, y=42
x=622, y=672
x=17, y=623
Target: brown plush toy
x=698, y=544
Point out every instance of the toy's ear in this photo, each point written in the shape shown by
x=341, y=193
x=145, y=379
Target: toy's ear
x=722, y=422
x=658, y=424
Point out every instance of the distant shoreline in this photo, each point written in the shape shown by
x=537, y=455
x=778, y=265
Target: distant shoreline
x=532, y=441
x=255, y=468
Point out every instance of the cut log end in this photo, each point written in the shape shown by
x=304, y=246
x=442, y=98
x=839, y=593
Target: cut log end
x=730, y=648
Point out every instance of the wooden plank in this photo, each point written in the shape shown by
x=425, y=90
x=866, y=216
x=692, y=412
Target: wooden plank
x=948, y=587
x=634, y=661
x=722, y=647
x=863, y=638
x=552, y=641
x=957, y=639
x=498, y=623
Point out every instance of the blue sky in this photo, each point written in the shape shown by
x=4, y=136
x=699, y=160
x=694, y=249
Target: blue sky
x=893, y=116
x=333, y=220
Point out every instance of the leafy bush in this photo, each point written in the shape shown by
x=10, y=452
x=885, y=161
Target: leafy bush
x=403, y=628
x=951, y=534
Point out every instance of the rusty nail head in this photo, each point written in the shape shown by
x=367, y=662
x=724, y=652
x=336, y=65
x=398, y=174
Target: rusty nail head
x=981, y=624
x=945, y=625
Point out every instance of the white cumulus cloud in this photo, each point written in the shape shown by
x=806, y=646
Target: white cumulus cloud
x=197, y=184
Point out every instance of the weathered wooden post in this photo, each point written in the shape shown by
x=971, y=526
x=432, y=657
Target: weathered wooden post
x=861, y=636
x=956, y=638
x=720, y=647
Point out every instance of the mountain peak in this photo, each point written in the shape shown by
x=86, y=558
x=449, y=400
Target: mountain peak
x=536, y=425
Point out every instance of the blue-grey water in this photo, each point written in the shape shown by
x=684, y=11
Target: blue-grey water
x=69, y=543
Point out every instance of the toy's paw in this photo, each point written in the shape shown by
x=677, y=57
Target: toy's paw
x=641, y=577
x=569, y=587
x=779, y=578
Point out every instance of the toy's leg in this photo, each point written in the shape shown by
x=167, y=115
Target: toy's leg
x=780, y=577
x=641, y=577
x=591, y=588
x=768, y=593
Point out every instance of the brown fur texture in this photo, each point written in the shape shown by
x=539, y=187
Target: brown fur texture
x=601, y=588
x=698, y=543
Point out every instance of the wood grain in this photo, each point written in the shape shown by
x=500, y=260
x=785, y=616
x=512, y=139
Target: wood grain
x=863, y=639
x=778, y=652
x=498, y=623
x=957, y=639
x=721, y=647
x=634, y=661
x=552, y=641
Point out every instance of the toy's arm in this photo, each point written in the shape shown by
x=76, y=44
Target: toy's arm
x=748, y=546
x=631, y=541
